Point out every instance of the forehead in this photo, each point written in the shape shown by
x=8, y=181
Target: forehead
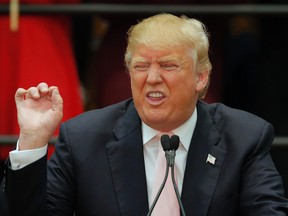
x=143, y=53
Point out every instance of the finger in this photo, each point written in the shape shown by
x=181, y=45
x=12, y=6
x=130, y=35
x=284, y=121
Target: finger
x=33, y=93
x=57, y=100
x=20, y=94
x=43, y=89
x=51, y=88
x=55, y=95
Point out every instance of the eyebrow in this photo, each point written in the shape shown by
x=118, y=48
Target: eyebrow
x=169, y=58
x=138, y=59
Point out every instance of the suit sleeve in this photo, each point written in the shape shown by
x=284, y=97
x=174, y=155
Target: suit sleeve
x=25, y=189
x=61, y=186
x=40, y=189
x=262, y=190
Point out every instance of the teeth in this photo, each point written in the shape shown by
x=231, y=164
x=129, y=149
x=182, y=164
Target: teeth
x=155, y=94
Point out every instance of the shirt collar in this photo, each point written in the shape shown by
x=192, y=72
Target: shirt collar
x=185, y=131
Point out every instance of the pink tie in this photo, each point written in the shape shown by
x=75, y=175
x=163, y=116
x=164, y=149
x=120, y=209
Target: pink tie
x=167, y=204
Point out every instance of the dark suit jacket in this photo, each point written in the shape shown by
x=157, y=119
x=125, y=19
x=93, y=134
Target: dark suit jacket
x=98, y=168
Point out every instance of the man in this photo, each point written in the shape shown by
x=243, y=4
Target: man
x=104, y=162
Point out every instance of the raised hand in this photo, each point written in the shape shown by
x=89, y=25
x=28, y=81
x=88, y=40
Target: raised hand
x=39, y=110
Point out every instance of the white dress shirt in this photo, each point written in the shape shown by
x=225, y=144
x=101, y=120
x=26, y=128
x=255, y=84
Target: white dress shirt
x=185, y=132
x=20, y=159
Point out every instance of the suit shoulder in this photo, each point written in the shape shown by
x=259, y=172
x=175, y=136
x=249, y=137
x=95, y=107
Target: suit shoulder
x=225, y=115
x=240, y=128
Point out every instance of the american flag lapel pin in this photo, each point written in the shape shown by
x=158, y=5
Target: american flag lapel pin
x=210, y=159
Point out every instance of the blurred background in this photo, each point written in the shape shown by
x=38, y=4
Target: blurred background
x=82, y=52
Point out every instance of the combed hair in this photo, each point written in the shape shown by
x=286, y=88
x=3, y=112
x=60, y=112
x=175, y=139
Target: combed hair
x=166, y=31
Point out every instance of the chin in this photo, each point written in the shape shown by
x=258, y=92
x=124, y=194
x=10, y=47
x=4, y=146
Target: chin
x=155, y=119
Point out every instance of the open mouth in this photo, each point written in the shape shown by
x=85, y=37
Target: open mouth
x=155, y=98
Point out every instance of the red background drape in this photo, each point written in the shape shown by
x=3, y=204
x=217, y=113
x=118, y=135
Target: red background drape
x=40, y=51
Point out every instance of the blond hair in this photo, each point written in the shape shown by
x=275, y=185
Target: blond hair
x=166, y=31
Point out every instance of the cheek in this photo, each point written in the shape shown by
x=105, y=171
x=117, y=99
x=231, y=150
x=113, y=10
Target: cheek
x=185, y=90
x=184, y=83
x=133, y=87
x=136, y=82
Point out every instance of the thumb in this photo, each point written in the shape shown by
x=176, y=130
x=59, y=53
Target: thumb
x=57, y=101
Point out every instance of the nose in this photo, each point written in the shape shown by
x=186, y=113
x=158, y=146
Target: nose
x=154, y=75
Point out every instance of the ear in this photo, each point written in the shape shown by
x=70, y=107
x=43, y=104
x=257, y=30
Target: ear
x=202, y=79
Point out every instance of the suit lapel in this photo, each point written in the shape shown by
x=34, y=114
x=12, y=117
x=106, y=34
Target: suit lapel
x=125, y=155
x=200, y=178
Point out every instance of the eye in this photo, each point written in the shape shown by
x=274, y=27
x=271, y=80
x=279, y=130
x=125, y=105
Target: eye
x=141, y=67
x=169, y=66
